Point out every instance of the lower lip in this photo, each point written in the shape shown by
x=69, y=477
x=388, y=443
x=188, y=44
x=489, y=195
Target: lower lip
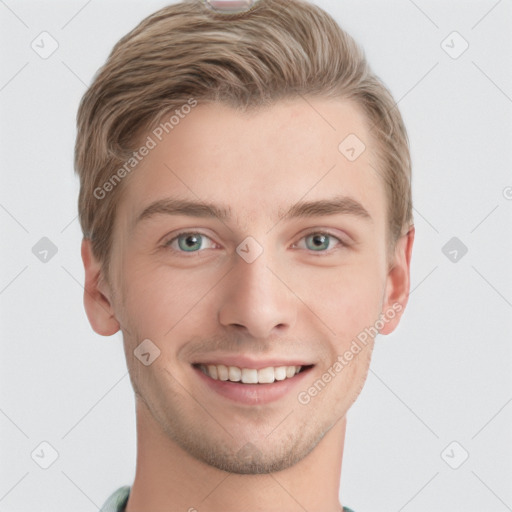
x=253, y=394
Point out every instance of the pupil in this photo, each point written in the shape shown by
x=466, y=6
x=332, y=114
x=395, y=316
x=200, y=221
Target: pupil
x=191, y=240
x=319, y=241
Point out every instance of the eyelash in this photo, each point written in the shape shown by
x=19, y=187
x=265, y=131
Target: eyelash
x=341, y=243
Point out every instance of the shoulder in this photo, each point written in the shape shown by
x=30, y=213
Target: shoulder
x=117, y=500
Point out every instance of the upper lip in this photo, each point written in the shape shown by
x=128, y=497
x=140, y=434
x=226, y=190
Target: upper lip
x=247, y=362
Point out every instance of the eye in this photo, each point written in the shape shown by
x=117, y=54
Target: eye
x=195, y=242
x=319, y=242
x=190, y=242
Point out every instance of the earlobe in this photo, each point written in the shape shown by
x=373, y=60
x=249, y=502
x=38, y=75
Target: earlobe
x=398, y=283
x=97, y=304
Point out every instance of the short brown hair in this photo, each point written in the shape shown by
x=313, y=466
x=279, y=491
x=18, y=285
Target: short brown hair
x=279, y=49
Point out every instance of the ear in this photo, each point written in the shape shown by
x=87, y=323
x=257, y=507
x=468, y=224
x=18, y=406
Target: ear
x=398, y=282
x=97, y=295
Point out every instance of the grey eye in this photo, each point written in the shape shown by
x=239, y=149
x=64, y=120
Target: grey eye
x=318, y=241
x=190, y=242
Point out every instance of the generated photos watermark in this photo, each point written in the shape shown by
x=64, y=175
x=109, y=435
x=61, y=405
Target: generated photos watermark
x=358, y=343
x=151, y=143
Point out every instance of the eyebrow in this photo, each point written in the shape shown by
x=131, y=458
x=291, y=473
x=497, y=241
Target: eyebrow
x=339, y=205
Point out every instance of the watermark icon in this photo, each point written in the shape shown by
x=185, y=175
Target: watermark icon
x=455, y=455
x=507, y=193
x=151, y=142
x=249, y=250
x=351, y=147
x=231, y=6
x=45, y=45
x=454, y=249
x=44, y=455
x=44, y=250
x=358, y=343
x=147, y=352
x=454, y=45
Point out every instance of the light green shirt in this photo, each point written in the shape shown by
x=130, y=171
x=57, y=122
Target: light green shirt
x=117, y=501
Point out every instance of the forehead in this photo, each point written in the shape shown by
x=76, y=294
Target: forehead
x=261, y=161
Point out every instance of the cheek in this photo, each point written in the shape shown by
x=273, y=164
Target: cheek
x=347, y=298
x=159, y=299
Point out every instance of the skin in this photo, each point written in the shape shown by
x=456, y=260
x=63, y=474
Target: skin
x=197, y=449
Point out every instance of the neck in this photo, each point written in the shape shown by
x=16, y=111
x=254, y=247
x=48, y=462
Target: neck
x=168, y=478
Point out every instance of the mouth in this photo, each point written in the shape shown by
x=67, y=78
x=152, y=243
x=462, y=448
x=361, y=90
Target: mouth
x=251, y=386
x=267, y=375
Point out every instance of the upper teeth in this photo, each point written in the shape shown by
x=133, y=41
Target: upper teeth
x=249, y=375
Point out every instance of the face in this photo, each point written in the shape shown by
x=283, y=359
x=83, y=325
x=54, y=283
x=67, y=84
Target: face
x=248, y=246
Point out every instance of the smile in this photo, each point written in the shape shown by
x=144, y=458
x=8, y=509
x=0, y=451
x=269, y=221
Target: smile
x=250, y=375
x=252, y=386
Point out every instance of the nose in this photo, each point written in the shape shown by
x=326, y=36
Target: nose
x=257, y=302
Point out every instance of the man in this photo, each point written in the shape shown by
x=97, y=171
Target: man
x=246, y=207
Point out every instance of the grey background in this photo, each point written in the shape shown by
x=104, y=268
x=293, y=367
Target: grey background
x=443, y=376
